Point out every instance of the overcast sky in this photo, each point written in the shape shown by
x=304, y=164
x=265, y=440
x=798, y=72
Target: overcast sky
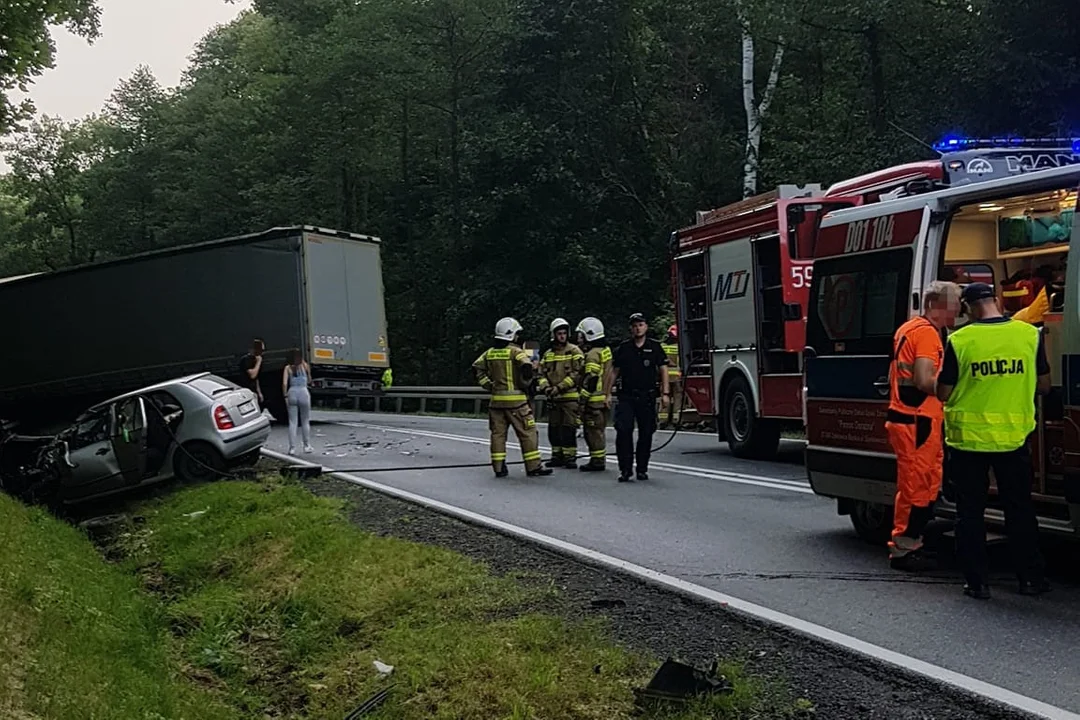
x=158, y=33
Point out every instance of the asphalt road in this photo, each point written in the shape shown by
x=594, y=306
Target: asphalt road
x=753, y=530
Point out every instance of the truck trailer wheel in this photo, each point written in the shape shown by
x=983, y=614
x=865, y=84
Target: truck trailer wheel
x=873, y=521
x=748, y=436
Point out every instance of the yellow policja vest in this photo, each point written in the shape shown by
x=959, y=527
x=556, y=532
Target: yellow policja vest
x=992, y=407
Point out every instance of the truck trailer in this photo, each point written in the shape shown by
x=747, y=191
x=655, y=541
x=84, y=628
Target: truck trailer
x=84, y=333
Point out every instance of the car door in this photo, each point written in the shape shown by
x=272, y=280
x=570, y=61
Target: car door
x=95, y=468
x=129, y=439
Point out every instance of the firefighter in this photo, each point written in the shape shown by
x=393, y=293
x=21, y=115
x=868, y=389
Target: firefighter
x=506, y=371
x=560, y=371
x=595, y=392
x=991, y=372
x=914, y=421
x=671, y=350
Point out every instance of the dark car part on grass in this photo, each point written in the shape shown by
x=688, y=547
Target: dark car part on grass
x=372, y=703
x=679, y=683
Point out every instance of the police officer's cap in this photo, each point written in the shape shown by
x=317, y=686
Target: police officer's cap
x=975, y=292
x=637, y=317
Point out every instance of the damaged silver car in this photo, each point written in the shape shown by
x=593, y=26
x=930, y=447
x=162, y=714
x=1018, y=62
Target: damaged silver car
x=193, y=428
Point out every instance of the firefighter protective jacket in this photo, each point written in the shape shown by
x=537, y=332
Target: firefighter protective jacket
x=561, y=369
x=497, y=371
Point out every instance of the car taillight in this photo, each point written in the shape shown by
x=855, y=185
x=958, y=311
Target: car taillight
x=222, y=419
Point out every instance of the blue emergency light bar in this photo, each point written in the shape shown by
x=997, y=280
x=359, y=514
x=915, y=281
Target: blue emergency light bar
x=957, y=144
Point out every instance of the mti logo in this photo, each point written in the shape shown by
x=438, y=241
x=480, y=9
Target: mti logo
x=732, y=285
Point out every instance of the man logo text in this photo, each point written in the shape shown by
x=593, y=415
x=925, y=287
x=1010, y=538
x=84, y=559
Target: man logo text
x=731, y=285
x=871, y=234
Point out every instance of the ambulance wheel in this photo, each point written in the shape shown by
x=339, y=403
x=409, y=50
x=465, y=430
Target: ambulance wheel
x=873, y=521
x=748, y=436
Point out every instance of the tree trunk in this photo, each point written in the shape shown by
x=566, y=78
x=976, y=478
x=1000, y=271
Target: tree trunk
x=755, y=110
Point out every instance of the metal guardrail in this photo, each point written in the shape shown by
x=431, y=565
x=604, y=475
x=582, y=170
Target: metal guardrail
x=449, y=395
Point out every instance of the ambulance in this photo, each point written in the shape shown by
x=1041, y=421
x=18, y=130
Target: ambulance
x=1006, y=212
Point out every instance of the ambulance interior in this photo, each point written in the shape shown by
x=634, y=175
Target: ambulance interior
x=1020, y=245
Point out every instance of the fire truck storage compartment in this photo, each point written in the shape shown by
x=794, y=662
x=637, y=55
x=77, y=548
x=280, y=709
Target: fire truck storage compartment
x=1020, y=237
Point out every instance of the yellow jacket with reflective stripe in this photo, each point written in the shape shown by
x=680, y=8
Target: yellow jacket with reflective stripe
x=497, y=372
x=672, y=352
x=992, y=407
x=561, y=369
x=597, y=364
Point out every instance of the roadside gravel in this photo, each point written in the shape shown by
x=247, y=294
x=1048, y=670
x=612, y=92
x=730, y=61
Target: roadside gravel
x=839, y=685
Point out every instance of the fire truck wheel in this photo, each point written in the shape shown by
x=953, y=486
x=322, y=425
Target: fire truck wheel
x=748, y=436
x=872, y=521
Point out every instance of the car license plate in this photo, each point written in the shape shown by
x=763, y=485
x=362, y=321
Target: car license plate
x=248, y=407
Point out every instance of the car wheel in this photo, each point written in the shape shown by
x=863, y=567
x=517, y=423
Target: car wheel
x=198, y=462
x=872, y=521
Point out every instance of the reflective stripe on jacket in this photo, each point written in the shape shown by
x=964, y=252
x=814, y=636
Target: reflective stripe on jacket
x=917, y=338
x=496, y=371
x=672, y=352
x=561, y=369
x=992, y=407
x=598, y=365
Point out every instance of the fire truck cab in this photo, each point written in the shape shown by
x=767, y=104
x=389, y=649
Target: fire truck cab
x=741, y=275
x=1008, y=212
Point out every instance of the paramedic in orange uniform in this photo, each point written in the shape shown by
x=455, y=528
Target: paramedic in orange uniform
x=915, y=420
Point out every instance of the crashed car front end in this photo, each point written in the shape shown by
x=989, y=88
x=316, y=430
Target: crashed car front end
x=34, y=469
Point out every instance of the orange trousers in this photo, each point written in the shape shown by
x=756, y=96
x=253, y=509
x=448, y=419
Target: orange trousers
x=920, y=456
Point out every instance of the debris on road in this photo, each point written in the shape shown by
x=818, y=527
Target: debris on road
x=678, y=683
x=383, y=668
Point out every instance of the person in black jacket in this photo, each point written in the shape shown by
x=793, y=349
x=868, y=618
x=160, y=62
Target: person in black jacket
x=640, y=366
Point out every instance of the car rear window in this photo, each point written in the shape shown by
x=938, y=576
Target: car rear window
x=212, y=385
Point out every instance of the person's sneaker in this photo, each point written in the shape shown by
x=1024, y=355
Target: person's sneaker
x=979, y=591
x=642, y=475
x=1034, y=587
x=292, y=451
x=308, y=449
x=539, y=472
x=592, y=468
x=625, y=477
x=502, y=473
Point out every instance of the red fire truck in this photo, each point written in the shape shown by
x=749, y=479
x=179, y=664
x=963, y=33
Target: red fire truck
x=998, y=210
x=742, y=275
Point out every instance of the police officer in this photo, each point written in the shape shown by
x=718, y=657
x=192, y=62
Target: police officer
x=989, y=376
x=639, y=364
x=560, y=372
x=506, y=371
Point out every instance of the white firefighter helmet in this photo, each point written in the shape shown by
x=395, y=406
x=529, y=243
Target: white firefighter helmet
x=507, y=329
x=591, y=328
x=559, y=323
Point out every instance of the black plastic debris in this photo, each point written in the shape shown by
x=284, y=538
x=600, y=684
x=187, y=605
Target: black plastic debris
x=678, y=683
x=371, y=704
x=302, y=472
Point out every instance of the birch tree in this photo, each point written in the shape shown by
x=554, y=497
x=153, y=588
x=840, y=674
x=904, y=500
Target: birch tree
x=756, y=109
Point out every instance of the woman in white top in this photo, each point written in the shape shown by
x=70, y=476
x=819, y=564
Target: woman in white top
x=294, y=386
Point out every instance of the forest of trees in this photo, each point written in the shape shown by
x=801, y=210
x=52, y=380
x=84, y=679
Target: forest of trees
x=517, y=157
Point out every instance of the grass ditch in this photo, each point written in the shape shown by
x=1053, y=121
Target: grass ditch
x=259, y=600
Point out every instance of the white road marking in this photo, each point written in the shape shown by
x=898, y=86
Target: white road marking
x=733, y=477
x=936, y=673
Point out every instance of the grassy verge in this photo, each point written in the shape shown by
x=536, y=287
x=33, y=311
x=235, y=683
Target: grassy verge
x=78, y=639
x=259, y=600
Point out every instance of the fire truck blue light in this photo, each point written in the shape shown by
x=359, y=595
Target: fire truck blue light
x=952, y=143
